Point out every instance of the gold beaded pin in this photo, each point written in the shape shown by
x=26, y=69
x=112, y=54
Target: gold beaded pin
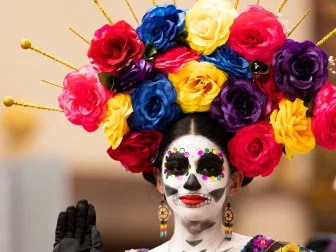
x=8, y=101
x=51, y=83
x=258, y=2
x=26, y=44
x=79, y=35
x=298, y=23
x=327, y=37
x=154, y=2
x=101, y=8
x=236, y=3
x=132, y=11
x=281, y=6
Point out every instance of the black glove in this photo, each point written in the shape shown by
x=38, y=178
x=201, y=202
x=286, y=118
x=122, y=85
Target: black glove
x=76, y=230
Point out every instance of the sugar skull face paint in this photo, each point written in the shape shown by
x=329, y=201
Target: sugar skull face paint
x=211, y=164
x=176, y=164
x=193, y=197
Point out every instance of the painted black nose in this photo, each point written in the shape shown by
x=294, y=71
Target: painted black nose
x=192, y=183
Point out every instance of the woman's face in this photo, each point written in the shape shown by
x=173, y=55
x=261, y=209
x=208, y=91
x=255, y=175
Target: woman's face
x=195, y=175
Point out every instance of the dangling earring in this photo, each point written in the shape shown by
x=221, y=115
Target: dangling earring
x=164, y=213
x=228, y=221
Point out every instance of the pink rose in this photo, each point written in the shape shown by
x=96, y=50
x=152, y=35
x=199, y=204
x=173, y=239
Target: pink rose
x=174, y=59
x=254, y=151
x=324, y=117
x=115, y=47
x=84, y=98
x=256, y=34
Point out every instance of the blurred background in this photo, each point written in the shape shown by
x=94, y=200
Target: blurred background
x=47, y=164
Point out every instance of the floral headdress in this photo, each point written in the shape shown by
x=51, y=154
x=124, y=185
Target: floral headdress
x=243, y=69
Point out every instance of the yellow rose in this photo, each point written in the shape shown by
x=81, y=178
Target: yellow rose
x=197, y=84
x=290, y=247
x=208, y=24
x=292, y=128
x=115, y=125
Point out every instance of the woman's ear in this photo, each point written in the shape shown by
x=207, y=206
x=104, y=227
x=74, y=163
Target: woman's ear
x=235, y=182
x=159, y=181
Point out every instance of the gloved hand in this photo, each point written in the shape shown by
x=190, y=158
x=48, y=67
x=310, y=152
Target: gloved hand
x=76, y=230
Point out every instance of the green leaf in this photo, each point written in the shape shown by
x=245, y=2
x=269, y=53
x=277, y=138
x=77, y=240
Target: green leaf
x=258, y=67
x=308, y=102
x=107, y=80
x=150, y=51
x=181, y=39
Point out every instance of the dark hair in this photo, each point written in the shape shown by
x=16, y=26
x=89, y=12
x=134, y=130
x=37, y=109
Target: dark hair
x=196, y=124
x=323, y=242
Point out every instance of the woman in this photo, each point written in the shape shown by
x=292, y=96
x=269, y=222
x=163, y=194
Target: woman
x=190, y=154
x=147, y=88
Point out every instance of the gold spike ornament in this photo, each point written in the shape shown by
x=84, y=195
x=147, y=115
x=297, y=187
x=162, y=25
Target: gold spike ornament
x=26, y=44
x=9, y=101
x=327, y=37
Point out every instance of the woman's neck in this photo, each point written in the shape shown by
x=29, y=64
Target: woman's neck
x=206, y=235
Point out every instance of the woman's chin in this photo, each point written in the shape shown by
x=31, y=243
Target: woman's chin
x=195, y=213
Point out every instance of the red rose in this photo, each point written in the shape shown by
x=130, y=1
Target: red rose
x=254, y=151
x=137, y=150
x=174, y=59
x=267, y=85
x=324, y=117
x=256, y=34
x=115, y=47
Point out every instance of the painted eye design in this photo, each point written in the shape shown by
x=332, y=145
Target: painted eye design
x=210, y=165
x=209, y=171
x=177, y=164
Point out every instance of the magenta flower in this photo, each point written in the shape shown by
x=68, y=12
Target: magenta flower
x=83, y=98
x=262, y=242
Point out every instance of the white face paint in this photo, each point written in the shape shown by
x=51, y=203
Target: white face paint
x=194, y=196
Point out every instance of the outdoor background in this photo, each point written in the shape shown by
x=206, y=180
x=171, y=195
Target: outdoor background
x=46, y=163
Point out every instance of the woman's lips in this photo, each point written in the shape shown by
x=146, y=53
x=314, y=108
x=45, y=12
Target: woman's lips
x=192, y=200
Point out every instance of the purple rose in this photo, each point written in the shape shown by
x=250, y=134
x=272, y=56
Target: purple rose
x=300, y=69
x=131, y=75
x=239, y=103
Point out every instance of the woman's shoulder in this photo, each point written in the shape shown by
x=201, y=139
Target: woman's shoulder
x=260, y=243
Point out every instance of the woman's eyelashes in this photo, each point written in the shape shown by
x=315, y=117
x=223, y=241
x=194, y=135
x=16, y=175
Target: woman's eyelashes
x=177, y=164
x=210, y=165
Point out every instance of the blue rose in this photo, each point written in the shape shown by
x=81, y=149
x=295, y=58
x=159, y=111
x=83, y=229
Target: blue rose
x=161, y=25
x=227, y=60
x=154, y=104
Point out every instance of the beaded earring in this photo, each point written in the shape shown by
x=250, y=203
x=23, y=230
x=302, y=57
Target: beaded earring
x=164, y=214
x=228, y=221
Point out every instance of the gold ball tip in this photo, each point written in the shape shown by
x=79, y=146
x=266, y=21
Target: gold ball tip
x=8, y=101
x=25, y=44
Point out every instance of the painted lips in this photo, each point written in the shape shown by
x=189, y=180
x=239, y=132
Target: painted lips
x=192, y=200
